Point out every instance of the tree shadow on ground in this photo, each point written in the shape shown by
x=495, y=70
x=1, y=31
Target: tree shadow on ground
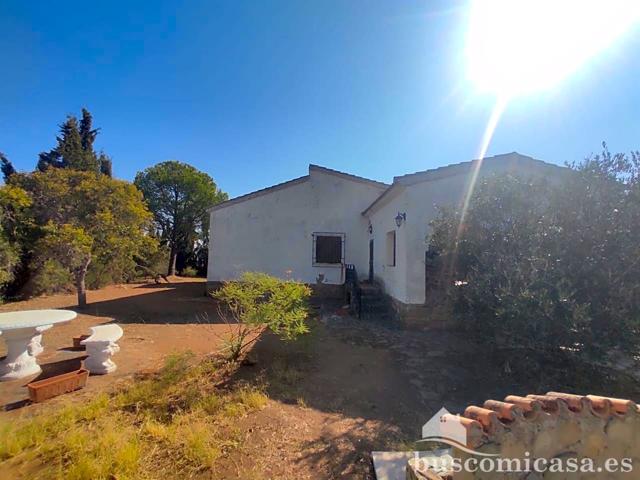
x=332, y=376
x=353, y=396
x=180, y=302
x=346, y=454
x=366, y=402
x=388, y=383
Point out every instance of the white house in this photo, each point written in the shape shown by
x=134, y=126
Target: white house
x=309, y=228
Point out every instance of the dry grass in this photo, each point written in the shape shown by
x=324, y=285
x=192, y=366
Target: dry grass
x=170, y=425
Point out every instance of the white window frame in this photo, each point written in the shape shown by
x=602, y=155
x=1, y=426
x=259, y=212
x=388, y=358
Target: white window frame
x=391, y=250
x=313, y=249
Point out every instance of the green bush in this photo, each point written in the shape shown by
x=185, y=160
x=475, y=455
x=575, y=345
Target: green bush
x=8, y=259
x=258, y=301
x=13, y=203
x=52, y=278
x=189, y=272
x=547, y=267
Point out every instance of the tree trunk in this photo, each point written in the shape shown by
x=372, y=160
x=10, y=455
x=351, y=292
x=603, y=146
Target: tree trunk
x=172, y=260
x=82, y=292
x=81, y=273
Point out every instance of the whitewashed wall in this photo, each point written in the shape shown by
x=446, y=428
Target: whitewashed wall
x=272, y=233
x=392, y=278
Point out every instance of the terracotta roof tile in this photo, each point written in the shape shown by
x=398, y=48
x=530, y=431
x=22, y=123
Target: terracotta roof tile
x=494, y=413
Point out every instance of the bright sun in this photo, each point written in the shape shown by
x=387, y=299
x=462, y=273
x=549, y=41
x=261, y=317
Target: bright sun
x=516, y=47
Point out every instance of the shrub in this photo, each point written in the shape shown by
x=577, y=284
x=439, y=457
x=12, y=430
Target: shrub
x=257, y=301
x=548, y=267
x=13, y=203
x=8, y=260
x=189, y=272
x=52, y=278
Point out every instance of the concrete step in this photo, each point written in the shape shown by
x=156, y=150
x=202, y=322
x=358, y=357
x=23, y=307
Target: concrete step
x=374, y=306
x=375, y=302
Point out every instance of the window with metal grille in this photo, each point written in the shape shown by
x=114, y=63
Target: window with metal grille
x=328, y=248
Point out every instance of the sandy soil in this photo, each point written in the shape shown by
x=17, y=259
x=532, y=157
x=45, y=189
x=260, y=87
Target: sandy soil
x=346, y=389
x=331, y=401
x=156, y=319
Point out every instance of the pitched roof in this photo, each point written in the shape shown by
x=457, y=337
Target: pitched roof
x=463, y=167
x=259, y=193
x=348, y=176
x=295, y=181
x=398, y=182
x=451, y=170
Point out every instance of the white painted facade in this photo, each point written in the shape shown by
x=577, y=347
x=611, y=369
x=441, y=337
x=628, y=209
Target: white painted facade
x=272, y=230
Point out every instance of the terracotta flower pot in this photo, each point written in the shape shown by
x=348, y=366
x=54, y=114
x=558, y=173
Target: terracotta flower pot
x=76, y=342
x=53, y=386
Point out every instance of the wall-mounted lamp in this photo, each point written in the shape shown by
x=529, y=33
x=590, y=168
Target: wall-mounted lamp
x=370, y=228
x=401, y=217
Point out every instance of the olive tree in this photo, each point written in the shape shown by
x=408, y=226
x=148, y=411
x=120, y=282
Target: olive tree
x=81, y=219
x=550, y=267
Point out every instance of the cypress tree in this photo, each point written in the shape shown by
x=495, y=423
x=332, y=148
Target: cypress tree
x=49, y=159
x=75, y=148
x=87, y=134
x=6, y=166
x=106, y=166
x=70, y=148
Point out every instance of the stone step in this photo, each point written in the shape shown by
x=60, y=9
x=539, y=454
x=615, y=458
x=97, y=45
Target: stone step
x=371, y=293
x=375, y=302
x=374, y=306
x=370, y=287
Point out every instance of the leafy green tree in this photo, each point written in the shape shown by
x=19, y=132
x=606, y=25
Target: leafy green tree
x=259, y=301
x=92, y=225
x=179, y=196
x=6, y=167
x=8, y=259
x=549, y=267
x=13, y=202
x=71, y=247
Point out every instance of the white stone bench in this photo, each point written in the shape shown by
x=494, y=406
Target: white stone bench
x=100, y=346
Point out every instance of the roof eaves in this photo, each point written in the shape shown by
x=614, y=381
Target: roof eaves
x=463, y=167
x=394, y=186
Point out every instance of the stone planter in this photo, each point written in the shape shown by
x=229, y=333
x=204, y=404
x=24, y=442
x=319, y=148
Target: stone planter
x=52, y=387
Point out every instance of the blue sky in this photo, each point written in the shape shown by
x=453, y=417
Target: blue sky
x=254, y=91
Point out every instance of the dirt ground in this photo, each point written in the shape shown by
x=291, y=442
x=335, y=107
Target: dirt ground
x=344, y=390
x=156, y=319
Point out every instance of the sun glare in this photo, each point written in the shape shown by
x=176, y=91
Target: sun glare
x=516, y=47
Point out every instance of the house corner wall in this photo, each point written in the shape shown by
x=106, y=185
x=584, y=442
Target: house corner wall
x=393, y=278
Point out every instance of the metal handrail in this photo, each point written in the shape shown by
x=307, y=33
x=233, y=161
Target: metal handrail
x=352, y=287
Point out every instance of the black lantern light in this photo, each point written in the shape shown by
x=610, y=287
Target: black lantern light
x=401, y=217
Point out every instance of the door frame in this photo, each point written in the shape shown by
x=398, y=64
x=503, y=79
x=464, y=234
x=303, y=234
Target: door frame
x=371, y=260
